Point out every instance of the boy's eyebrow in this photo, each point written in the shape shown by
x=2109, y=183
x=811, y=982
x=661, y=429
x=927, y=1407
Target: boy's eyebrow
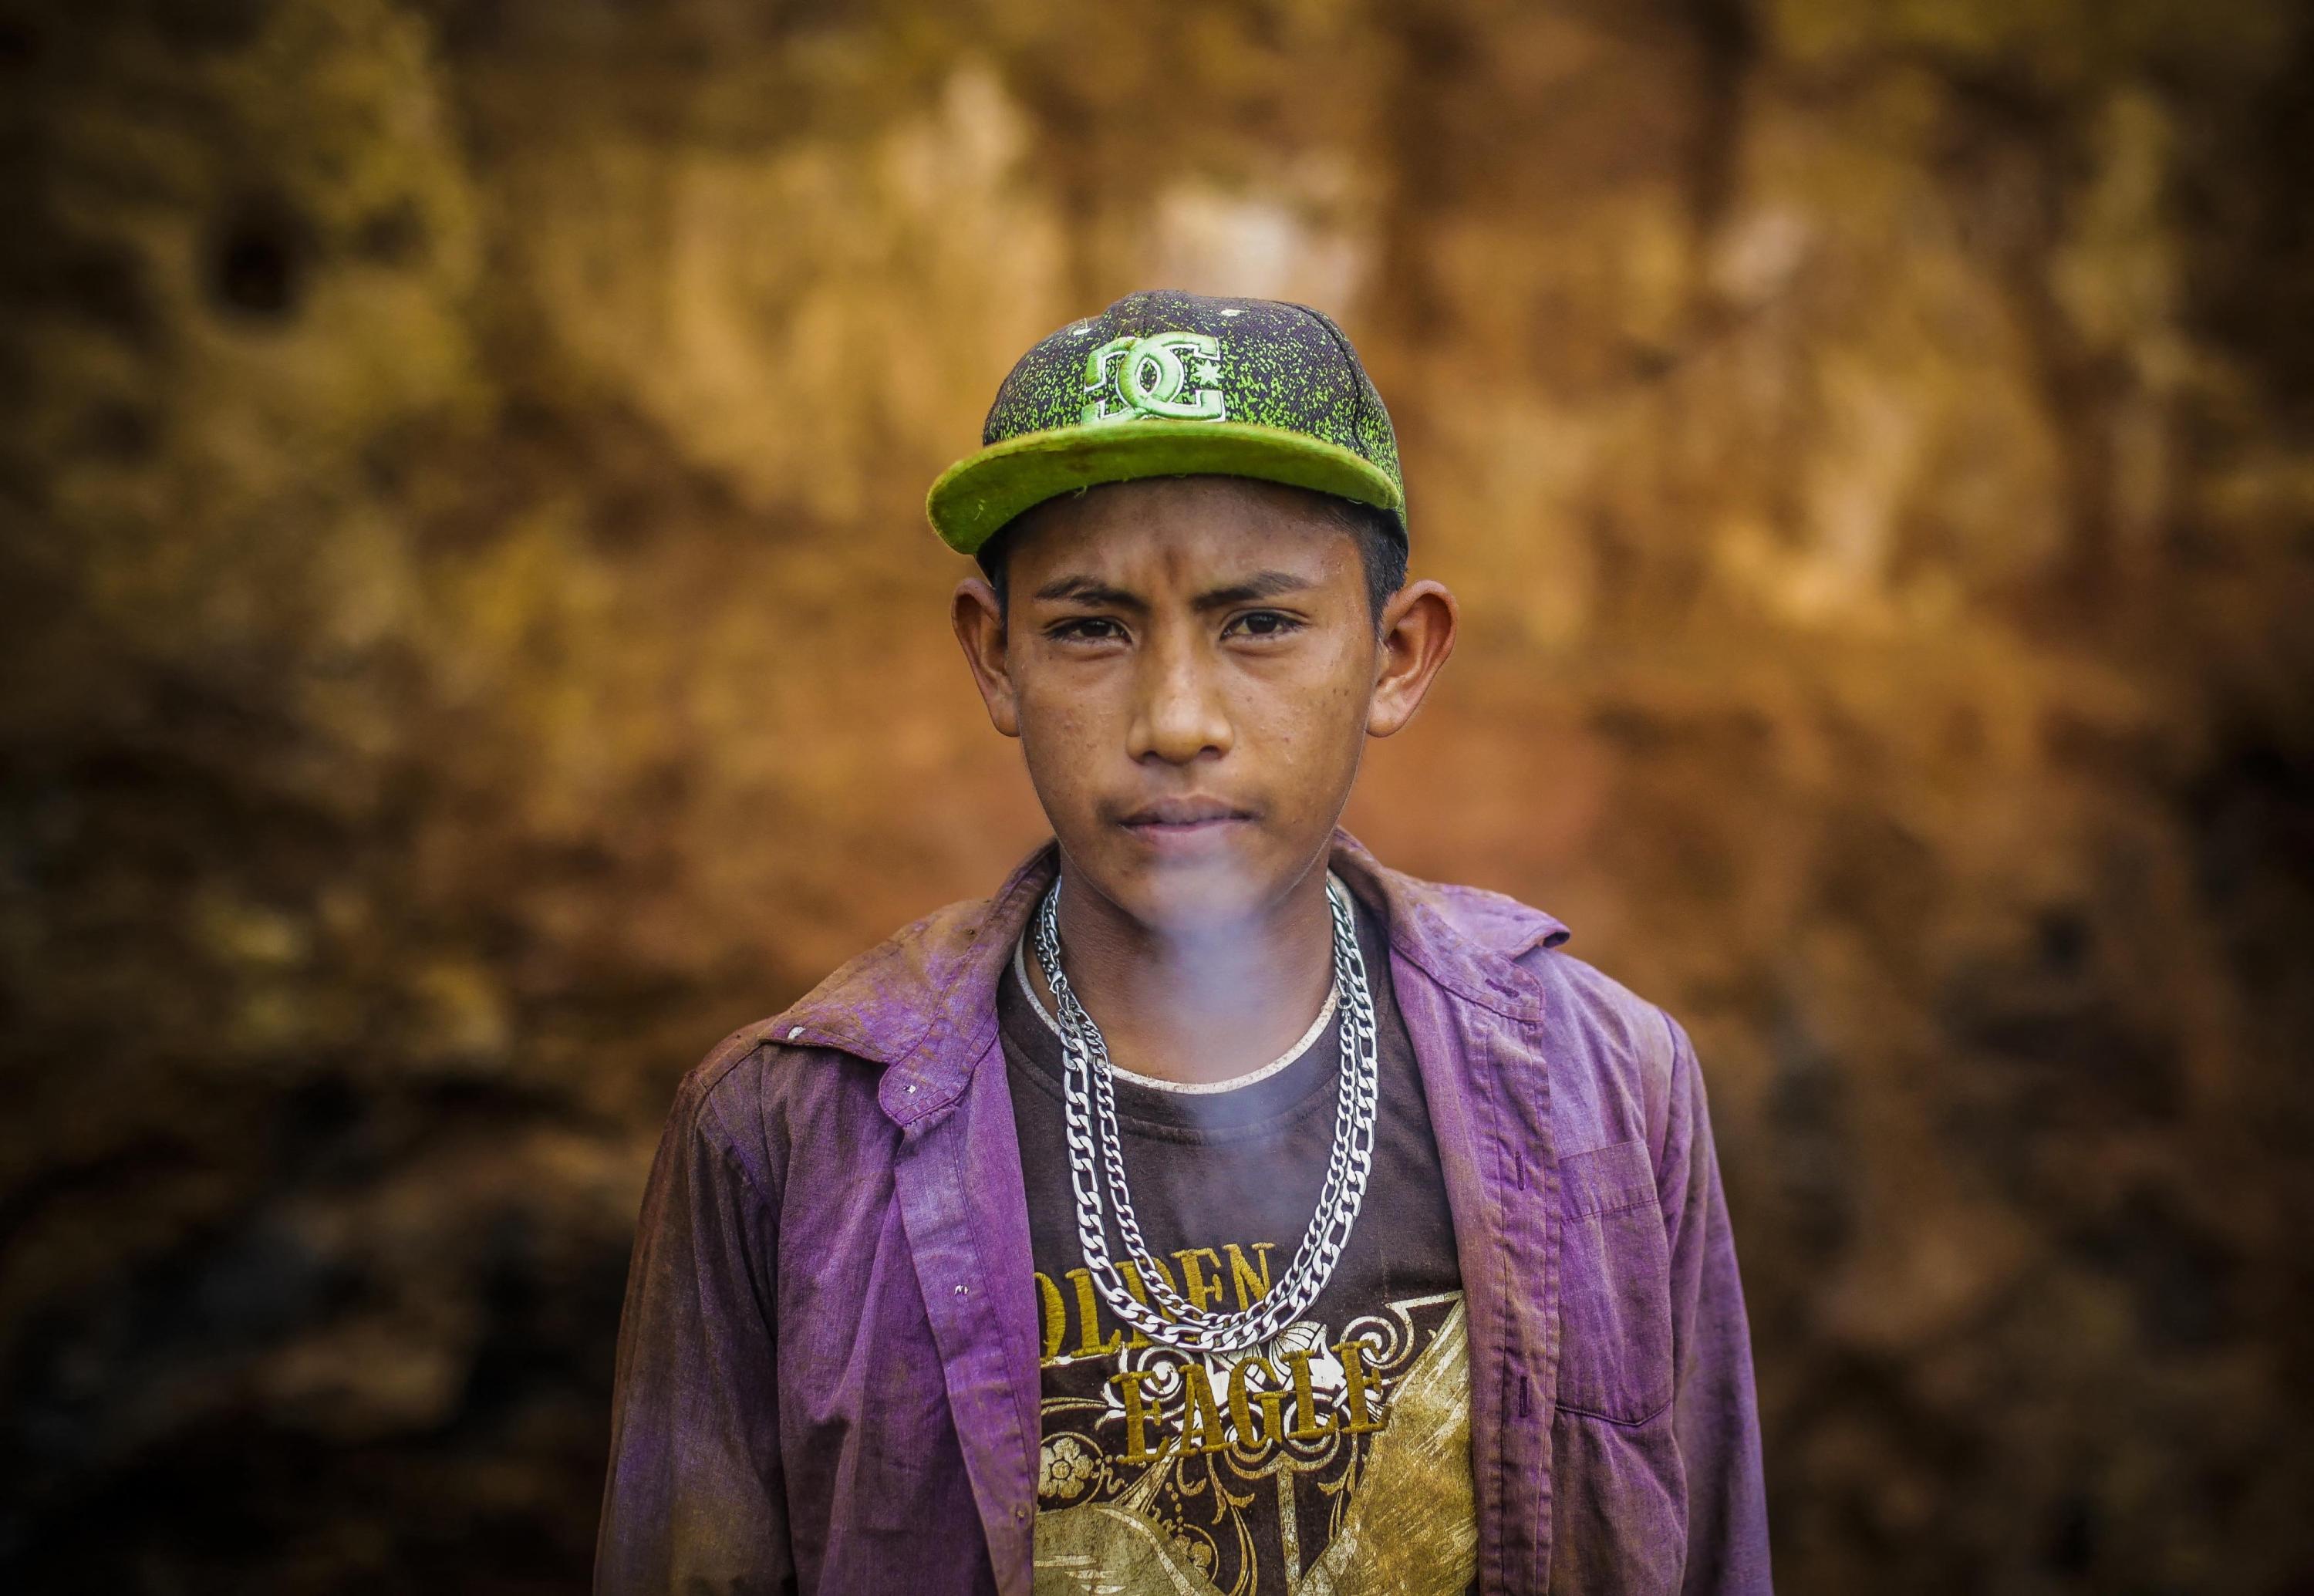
x=1253, y=590
x=1091, y=590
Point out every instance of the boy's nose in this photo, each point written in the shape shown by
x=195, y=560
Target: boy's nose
x=1181, y=717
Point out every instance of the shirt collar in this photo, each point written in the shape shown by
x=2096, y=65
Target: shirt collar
x=924, y=1004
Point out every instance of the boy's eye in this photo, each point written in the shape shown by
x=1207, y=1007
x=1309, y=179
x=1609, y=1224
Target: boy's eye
x=1264, y=623
x=1090, y=629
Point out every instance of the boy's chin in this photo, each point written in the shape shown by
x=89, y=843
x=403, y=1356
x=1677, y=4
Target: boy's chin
x=1177, y=894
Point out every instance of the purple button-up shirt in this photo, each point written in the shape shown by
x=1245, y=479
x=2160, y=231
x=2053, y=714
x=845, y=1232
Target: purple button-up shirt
x=827, y=1376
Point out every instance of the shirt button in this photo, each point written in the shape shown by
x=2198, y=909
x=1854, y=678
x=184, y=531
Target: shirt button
x=911, y=1091
x=962, y=1289
x=794, y=1031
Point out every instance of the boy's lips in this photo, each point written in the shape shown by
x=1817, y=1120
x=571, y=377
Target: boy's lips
x=1173, y=821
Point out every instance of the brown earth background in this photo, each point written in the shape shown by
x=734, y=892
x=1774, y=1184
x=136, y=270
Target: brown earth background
x=471, y=640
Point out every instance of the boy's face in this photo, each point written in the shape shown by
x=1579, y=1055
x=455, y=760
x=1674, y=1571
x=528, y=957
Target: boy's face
x=1192, y=666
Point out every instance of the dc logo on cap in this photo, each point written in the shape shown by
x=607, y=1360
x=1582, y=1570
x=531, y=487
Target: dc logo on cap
x=1129, y=377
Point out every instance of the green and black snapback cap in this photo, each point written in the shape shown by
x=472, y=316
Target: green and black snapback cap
x=1169, y=384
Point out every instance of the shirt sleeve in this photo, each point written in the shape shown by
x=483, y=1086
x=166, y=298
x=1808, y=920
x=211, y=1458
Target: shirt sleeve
x=1714, y=1416
x=695, y=1501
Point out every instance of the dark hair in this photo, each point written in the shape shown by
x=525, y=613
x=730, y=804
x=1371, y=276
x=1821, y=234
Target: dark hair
x=1381, y=549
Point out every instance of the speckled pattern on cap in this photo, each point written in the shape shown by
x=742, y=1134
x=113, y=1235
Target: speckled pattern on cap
x=1168, y=384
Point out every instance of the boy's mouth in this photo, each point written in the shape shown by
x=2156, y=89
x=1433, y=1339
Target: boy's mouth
x=1175, y=821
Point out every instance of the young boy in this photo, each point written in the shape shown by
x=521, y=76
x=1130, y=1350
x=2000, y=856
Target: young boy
x=1213, y=1209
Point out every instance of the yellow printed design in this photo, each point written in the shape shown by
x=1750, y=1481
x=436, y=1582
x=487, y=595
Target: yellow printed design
x=1330, y=1463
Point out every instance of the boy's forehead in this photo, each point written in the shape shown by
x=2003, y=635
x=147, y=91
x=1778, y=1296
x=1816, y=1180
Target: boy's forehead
x=1204, y=497
x=1185, y=530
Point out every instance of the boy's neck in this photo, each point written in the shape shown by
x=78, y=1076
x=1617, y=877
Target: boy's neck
x=1198, y=1009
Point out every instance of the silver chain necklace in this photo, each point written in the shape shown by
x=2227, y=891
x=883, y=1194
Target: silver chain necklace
x=1097, y=1158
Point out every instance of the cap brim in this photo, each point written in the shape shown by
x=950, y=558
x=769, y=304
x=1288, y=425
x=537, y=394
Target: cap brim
x=981, y=492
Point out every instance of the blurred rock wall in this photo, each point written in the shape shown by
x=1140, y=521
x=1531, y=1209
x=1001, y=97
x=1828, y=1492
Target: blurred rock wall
x=471, y=640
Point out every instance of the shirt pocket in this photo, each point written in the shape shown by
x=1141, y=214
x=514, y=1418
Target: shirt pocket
x=1615, y=1299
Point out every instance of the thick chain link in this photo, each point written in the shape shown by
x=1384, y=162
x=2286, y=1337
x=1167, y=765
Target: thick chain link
x=1097, y=1160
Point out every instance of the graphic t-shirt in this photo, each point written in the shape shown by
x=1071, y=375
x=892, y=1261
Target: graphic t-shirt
x=1337, y=1457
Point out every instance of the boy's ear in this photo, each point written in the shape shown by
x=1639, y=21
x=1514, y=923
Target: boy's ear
x=978, y=617
x=1417, y=634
